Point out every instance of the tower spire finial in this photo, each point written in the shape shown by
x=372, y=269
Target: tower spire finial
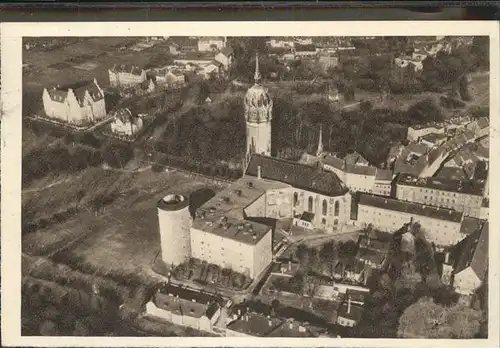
x=257, y=76
x=319, y=152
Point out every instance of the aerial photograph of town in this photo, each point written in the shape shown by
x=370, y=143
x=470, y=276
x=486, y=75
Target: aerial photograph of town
x=329, y=187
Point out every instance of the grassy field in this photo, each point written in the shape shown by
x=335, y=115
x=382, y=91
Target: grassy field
x=123, y=238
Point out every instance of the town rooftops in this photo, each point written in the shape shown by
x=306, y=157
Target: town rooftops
x=304, y=48
x=255, y=324
x=127, y=69
x=290, y=328
x=452, y=173
x=59, y=93
x=460, y=186
x=298, y=175
x=474, y=252
x=410, y=208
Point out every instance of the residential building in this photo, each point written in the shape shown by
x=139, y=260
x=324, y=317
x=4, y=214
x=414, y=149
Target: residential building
x=433, y=139
x=418, y=131
x=252, y=324
x=79, y=103
x=225, y=57
x=126, y=123
x=125, y=75
x=185, y=307
x=383, y=182
x=305, y=50
x=211, y=43
x=480, y=127
x=349, y=314
x=442, y=226
x=471, y=267
x=459, y=195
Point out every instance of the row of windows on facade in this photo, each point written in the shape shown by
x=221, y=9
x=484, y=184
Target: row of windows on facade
x=401, y=217
x=310, y=205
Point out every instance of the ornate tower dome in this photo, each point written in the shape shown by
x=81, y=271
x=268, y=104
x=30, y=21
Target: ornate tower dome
x=258, y=115
x=258, y=103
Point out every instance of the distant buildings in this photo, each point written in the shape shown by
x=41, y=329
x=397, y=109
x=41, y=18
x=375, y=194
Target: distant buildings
x=225, y=57
x=211, y=43
x=416, y=132
x=125, y=76
x=77, y=104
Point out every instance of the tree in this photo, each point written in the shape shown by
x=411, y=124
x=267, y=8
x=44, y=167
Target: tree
x=347, y=250
x=463, y=88
x=424, y=111
x=426, y=319
x=297, y=283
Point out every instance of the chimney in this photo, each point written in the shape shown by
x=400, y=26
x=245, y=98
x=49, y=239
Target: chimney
x=447, y=257
x=259, y=172
x=289, y=265
x=290, y=326
x=349, y=306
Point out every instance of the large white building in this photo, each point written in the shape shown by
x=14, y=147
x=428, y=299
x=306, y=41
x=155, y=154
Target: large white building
x=211, y=43
x=462, y=196
x=442, y=226
x=126, y=123
x=77, y=104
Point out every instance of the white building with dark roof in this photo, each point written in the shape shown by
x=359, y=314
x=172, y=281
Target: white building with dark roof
x=211, y=43
x=471, y=266
x=126, y=75
x=125, y=123
x=442, y=226
x=77, y=104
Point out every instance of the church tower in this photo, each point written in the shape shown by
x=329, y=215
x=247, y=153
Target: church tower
x=258, y=116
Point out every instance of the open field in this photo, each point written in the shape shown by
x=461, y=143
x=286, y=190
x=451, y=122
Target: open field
x=125, y=236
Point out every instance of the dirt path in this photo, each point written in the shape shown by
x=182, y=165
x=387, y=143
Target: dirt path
x=38, y=189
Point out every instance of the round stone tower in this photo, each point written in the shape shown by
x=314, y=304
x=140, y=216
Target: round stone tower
x=175, y=222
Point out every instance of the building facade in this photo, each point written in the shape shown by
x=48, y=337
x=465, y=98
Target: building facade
x=442, y=226
x=77, y=104
x=125, y=76
x=462, y=196
x=211, y=43
x=125, y=123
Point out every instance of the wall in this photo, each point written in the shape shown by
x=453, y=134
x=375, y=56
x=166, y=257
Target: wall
x=328, y=221
x=263, y=254
x=117, y=79
x=441, y=232
x=462, y=202
x=175, y=235
x=261, y=135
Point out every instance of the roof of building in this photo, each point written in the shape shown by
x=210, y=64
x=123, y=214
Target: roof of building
x=426, y=126
x=356, y=295
x=187, y=302
x=127, y=68
x=373, y=243
x=126, y=116
x=483, y=122
x=451, y=173
x=355, y=158
x=297, y=175
x=434, y=137
x=353, y=313
x=417, y=148
x=307, y=216
x=472, y=187
x=470, y=225
x=60, y=92
x=211, y=38
x=383, y=175
x=290, y=329
x=371, y=255
x=224, y=214
x=304, y=48
x=474, y=253
x=255, y=324
x=410, y=208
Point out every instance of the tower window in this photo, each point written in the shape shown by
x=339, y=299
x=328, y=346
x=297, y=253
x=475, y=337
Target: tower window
x=310, y=204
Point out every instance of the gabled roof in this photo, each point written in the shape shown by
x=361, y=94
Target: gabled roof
x=297, y=175
x=255, y=324
x=474, y=253
x=483, y=122
x=60, y=93
x=410, y=208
